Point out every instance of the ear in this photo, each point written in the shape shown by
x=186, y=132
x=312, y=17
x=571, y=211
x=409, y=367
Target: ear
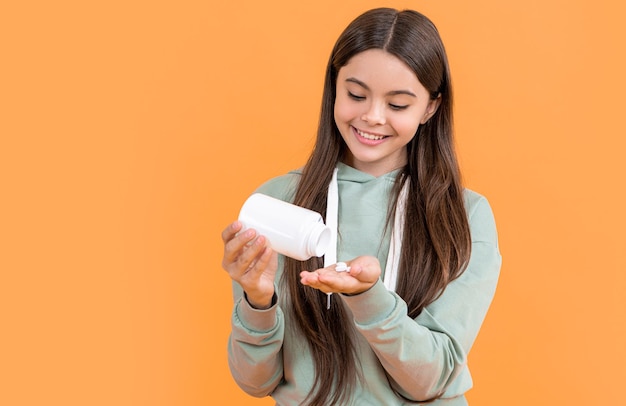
x=431, y=109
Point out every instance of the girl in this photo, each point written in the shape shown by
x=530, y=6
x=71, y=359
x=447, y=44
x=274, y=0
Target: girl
x=422, y=251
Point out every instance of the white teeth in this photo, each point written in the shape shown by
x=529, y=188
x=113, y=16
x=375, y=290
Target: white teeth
x=370, y=136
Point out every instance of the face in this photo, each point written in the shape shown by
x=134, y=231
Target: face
x=380, y=103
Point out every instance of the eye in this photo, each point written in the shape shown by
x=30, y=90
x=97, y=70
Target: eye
x=355, y=97
x=397, y=107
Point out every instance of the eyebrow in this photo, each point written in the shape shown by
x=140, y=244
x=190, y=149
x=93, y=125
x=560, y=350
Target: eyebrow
x=391, y=93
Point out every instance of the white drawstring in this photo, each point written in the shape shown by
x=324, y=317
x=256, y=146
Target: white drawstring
x=393, y=258
x=395, y=245
x=332, y=216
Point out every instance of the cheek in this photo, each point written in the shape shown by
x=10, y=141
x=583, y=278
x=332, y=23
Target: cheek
x=407, y=127
x=344, y=111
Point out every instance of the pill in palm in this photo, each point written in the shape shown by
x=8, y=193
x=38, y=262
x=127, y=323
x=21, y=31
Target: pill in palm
x=342, y=267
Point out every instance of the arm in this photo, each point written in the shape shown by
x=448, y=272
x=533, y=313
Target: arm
x=255, y=346
x=423, y=356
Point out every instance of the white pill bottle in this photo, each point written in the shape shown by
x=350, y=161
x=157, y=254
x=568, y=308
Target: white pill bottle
x=292, y=230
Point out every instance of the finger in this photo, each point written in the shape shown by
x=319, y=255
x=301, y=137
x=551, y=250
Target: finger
x=309, y=278
x=273, y=260
x=230, y=231
x=252, y=253
x=335, y=280
x=260, y=263
x=355, y=270
x=365, y=274
x=322, y=279
x=234, y=247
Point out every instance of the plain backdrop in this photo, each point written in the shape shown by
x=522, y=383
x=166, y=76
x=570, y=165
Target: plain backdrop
x=132, y=132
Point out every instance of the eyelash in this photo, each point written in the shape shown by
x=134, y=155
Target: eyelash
x=355, y=97
x=361, y=98
x=397, y=108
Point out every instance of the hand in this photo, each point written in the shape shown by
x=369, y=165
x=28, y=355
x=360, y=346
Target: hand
x=363, y=274
x=250, y=261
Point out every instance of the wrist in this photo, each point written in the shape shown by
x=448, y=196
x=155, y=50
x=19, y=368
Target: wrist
x=358, y=292
x=261, y=303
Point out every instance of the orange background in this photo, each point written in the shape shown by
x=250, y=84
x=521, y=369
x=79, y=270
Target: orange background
x=131, y=132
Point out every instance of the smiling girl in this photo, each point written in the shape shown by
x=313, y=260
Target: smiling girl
x=422, y=250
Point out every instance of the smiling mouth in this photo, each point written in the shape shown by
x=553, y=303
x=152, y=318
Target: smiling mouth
x=370, y=136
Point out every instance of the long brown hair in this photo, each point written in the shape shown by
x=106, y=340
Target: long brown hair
x=436, y=242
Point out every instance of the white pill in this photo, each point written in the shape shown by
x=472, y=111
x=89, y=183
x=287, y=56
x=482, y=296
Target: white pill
x=342, y=267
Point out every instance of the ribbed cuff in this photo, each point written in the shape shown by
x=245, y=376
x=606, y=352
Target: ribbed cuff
x=371, y=306
x=256, y=319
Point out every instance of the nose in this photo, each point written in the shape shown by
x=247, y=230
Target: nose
x=375, y=114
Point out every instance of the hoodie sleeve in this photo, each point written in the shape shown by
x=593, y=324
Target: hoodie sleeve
x=255, y=346
x=423, y=356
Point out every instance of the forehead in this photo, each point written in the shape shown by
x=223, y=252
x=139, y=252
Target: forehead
x=376, y=67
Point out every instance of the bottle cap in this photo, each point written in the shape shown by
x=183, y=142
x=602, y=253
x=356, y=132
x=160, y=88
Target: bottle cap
x=319, y=239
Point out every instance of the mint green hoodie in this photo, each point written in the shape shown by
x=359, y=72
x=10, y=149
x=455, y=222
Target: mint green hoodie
x=418, y=358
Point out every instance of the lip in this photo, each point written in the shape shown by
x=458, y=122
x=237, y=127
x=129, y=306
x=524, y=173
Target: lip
x=366, y=141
